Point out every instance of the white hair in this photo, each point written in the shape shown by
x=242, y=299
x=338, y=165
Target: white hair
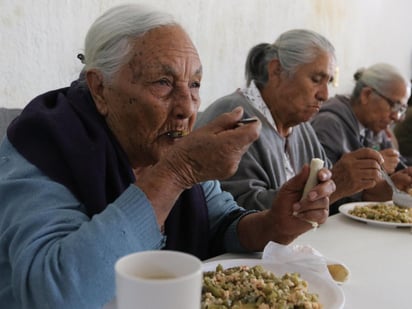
x=292, y=48
x=110, y=38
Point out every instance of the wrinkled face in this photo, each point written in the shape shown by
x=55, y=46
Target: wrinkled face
x=377, y=111
x=297, y=98
x=154, y=98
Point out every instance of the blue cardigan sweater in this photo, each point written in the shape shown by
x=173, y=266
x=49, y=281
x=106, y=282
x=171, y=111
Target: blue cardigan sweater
x=53, y=255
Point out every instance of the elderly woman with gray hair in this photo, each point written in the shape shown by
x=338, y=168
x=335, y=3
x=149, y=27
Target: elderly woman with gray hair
x=361, y=119
x=286, y=84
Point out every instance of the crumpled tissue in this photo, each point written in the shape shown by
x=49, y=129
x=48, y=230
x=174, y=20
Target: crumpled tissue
x=300, y=255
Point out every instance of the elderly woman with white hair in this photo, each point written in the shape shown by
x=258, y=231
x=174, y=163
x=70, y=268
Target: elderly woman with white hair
x=110, y=165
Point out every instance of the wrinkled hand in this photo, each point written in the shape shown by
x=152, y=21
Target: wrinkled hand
x=391, y=157
x=279, y=224
x=290, y=216
x=383, y=192
x=213, y=151
x=356, y=171
x=403, y=179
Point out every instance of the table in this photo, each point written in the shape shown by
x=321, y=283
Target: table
x=379, y=259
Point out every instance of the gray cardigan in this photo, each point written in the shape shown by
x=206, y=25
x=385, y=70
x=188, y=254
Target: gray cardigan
x=261, y=171
x=337, y=129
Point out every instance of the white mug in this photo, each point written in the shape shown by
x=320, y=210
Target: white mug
x=158, y=279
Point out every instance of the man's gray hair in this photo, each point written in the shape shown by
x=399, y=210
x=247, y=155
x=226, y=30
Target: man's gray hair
x=292, y=48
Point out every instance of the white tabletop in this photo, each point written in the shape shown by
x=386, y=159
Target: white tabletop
x=379, y=259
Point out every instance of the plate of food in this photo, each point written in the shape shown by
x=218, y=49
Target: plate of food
x=378, y=213
x=254, y=282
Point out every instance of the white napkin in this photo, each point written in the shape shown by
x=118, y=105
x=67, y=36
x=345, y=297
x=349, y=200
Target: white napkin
x=301, y=255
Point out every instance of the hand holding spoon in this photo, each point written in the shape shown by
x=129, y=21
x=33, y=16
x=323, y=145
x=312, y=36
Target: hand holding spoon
x=399, y=197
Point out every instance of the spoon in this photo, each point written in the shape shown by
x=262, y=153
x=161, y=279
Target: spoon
x=399, y=197
x=246, y=121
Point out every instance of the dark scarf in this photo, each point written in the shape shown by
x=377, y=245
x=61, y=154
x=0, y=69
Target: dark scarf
x=62, y=133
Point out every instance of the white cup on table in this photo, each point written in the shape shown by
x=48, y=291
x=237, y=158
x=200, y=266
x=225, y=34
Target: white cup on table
x=158, y=280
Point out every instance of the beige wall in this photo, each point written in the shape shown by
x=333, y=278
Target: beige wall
x=39, y=39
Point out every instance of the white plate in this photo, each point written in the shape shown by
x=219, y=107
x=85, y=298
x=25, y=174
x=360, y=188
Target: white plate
x=345, y=208
x=330, y=294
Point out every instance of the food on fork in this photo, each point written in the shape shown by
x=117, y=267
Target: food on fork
x=177, y=134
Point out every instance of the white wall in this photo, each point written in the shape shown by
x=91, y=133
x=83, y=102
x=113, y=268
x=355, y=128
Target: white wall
x=39, y=39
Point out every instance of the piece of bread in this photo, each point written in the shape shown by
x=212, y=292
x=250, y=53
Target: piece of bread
x=315, y=165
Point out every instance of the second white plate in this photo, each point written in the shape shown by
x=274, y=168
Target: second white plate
x=345, y=208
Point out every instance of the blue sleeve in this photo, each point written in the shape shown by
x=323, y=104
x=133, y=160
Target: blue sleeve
x=52, y=255
x=220, y=205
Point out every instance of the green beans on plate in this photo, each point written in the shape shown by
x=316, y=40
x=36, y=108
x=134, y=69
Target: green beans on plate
x=245, y=287
x=383, y=212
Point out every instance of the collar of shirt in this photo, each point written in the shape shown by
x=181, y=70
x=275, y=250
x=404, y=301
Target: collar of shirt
x=254, y=97
x=362, y=131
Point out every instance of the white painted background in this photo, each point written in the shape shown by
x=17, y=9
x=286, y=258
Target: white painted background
x=39, y=39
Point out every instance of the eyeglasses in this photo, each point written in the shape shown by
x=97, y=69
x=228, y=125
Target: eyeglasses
x=396, y=106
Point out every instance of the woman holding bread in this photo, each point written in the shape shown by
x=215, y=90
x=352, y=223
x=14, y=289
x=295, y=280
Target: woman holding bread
x=286, y=84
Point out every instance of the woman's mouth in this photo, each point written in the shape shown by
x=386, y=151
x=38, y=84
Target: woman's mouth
x=176, y=134
x=316, y=107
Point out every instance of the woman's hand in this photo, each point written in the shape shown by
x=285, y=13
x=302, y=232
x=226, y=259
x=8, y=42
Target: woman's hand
x=289, y=216
x=212, y=151
x=391, y=157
